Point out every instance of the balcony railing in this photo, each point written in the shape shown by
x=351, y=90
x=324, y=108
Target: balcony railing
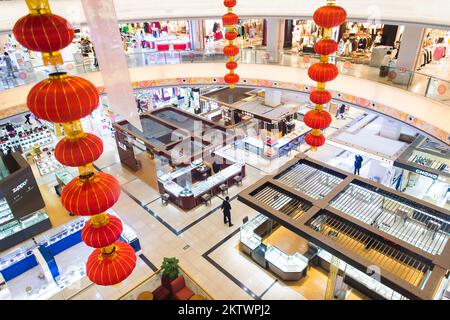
x=416, y=82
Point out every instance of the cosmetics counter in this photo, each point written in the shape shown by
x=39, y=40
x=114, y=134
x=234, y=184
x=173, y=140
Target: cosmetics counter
x=272, y=147
x=46, y=162
x=56, y=241
x=186, y=195
x=25, y=139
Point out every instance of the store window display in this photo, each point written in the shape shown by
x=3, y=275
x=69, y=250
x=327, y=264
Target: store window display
x=356, y=41
x=434, y=48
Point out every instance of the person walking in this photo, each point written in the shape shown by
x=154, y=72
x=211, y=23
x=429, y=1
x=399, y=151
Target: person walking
x=358, y=163
x=340, y=112
x=27, y=119
x=226, y=207
x=9, y=65
x=384, y=66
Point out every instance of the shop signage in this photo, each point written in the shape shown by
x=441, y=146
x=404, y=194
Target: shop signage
x=20, y=186
x=427, y=174
x=22, y=193
x=422, y=172
x=247, y=113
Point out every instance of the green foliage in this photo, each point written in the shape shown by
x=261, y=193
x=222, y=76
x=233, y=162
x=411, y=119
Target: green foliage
x=170, y=268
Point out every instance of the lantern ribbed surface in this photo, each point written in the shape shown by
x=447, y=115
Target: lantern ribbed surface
x=104, y=235
x=88, y=197
x=43, y=33
x=79, y=152
x=107, y=270
x=63, y=98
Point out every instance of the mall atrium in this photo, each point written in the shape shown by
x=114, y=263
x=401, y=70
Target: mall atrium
x=224, y=150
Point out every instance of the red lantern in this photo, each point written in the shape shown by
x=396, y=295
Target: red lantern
x=231, y=78
x=326, y=47
x=231, y=35
x=323, y=72
x=43, y=33
x=231, y=50
x=230, y=19
x=229, y=3
x=103, y=235
x=79, y=152
x=231, y=65
x=317, y=119
x=110, y=268
x=315, y=141
x=320, y=97
x=91, y=196
x=330, y=16
x=62, y=98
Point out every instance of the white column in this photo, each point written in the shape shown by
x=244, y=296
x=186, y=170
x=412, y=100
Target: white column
x=197, y=34
x=102, y=21
x=390, y=129
x=275, y=35
x=410, y=46
x=272, y=97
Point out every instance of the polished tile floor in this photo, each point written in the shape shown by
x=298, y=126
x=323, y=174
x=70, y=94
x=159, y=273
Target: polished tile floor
x=206, y=247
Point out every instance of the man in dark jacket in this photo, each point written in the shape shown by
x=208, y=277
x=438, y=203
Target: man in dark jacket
x=226, y=207
x=358, y=163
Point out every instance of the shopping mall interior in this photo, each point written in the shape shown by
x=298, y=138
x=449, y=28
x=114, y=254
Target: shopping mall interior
x=241, y=175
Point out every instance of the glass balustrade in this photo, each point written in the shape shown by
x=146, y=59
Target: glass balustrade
x=416, y=82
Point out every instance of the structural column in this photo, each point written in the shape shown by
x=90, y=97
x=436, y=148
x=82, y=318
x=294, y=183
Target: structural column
x=410, y=46
x=275, y=35
x=197, y=34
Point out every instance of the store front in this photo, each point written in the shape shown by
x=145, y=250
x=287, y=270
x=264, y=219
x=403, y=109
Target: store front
x=269, y=126
x=21, y=203
x=380, y=240
x=359, y=42
x=435, y=47
x=423, y=171
x=179, y=158
x=250, y=32
x=290, y=257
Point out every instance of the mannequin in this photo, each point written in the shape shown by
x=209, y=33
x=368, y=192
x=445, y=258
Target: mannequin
x=341, y=46
x=347, y=47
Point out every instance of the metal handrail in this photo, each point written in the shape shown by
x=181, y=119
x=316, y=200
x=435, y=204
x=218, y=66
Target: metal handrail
x=246, y=56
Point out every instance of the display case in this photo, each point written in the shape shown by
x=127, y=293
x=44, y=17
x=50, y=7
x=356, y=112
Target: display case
x=287, y=267
x=5, y=211
x=249, y=241
x=363, y=279
x=47, y=163
x=24, y=228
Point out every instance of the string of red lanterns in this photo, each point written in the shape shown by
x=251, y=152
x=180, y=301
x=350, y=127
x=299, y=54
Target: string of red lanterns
x=229, y=20
x=326, y=17
x=64, y=100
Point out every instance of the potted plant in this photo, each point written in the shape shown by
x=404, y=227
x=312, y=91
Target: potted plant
x=170, y=271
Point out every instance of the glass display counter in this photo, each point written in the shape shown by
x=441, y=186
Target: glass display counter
x=363, y=279
x=249, y=240
x=189, y=196
x=287, y=267
x=22, y=229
